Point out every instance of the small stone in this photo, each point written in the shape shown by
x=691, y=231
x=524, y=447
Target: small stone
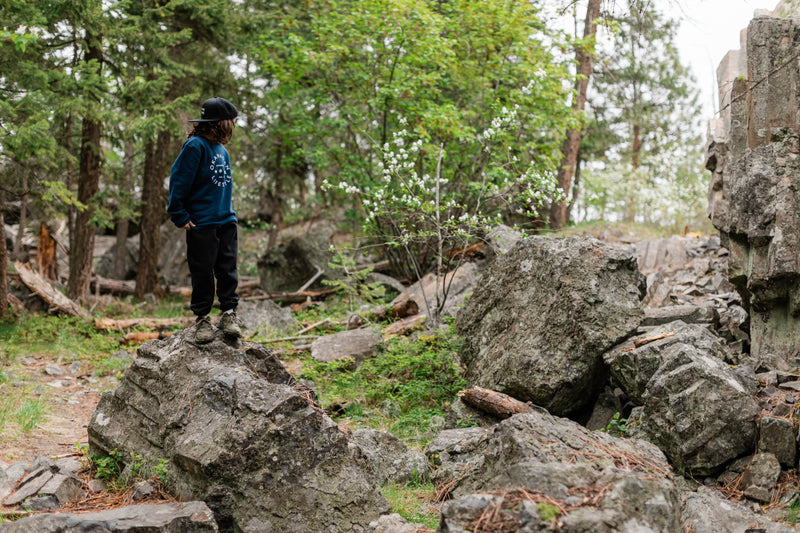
x=768, y=378
x=75, y=368
x=791, y=385
x=141, y=490
x=97, y=485
x=53, y=370
x=760, y=477
x=782, y=409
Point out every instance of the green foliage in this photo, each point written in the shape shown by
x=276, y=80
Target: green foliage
x=457, y=101
x=793, y=511
x=108, y=467
x=617, y=426
x=401, y=389
x=354, y=283
x=120, y=472
x=547, y=511
x=414, y=502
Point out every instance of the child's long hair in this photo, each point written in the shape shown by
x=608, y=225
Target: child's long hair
x=219, y=132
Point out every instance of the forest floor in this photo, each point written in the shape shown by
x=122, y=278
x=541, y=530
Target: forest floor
x=67, y=400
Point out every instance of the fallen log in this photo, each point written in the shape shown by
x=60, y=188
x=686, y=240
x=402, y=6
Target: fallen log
x=119, y=287
x=405, y=326
x=158, y=324
x=493, y=402
x=293, y=297
x=138, y=337
x=48, y=293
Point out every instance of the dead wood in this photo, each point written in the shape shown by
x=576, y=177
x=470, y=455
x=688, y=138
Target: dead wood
x=493, y=402
x=48, y=293
x=404, y=327
x=138, y=337
x=293, y=297
x=648, y=340
x=158, y=324
x=46, y=253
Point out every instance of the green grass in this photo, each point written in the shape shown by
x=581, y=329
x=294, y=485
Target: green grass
x=69, y=337
x=21, y=409
x=414, y=502
x=30, y=414
x=401, y=389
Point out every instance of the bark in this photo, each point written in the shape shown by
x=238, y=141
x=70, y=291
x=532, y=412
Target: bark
x=575, y=188
x=3, y=260
x=19, y=254
x=46, y=255
x=123, y=225
x=494, y=403
x=82, y=238
x=559, y=213
x=155, y=167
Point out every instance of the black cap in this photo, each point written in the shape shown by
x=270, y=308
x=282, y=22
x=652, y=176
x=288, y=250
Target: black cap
x=216, y=109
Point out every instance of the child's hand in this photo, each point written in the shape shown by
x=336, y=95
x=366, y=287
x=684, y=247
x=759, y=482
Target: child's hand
x=189, y=225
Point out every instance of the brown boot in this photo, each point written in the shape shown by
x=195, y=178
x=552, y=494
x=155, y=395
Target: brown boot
x=231, y=325
x=204, y=331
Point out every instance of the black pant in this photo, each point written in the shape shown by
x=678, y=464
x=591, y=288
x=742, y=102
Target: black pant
x=213, y=253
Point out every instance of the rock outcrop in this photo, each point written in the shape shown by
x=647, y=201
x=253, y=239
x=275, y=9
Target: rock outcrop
x=753, y=154
x=543, y=314
x=586, y=480
x=239, y=434
x=195, y=517
x=695, y=408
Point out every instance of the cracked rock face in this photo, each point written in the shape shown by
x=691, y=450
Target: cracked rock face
x=694, y=407
x=543, y=314
x=754, y=157
x=609, y=484
x=240, y=434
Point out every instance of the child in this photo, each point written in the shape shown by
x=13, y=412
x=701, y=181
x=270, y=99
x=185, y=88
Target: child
x=200, y=187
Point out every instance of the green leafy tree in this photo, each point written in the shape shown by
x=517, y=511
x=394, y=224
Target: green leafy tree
x=648, y=98
x=348, y=84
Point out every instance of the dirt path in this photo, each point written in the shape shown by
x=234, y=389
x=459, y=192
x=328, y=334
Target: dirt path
x=70, y=396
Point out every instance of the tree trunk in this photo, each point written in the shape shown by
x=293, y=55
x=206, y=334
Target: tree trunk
x=559, y=213
x=123, y=224
x=576, y=189
x=46, y=254
x=19, y=254
x=82, y=244
x=3, y=260
x=155, y=163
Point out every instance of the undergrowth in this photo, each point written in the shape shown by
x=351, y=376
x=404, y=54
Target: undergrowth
x=71, y=338
x=403, y=389
x=414, y=502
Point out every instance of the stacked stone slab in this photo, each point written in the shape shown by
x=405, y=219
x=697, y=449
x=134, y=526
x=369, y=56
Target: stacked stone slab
x=753, y=154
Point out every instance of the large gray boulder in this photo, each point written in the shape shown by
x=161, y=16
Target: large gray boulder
x=265, y=316
x=290, y=265
x=240, y=434
x=194, y=517
x=609, y=484
x=543, y=314
x=172, y=266
x=694, y=407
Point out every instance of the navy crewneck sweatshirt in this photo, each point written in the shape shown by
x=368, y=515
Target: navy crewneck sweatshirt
x=200, y=185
